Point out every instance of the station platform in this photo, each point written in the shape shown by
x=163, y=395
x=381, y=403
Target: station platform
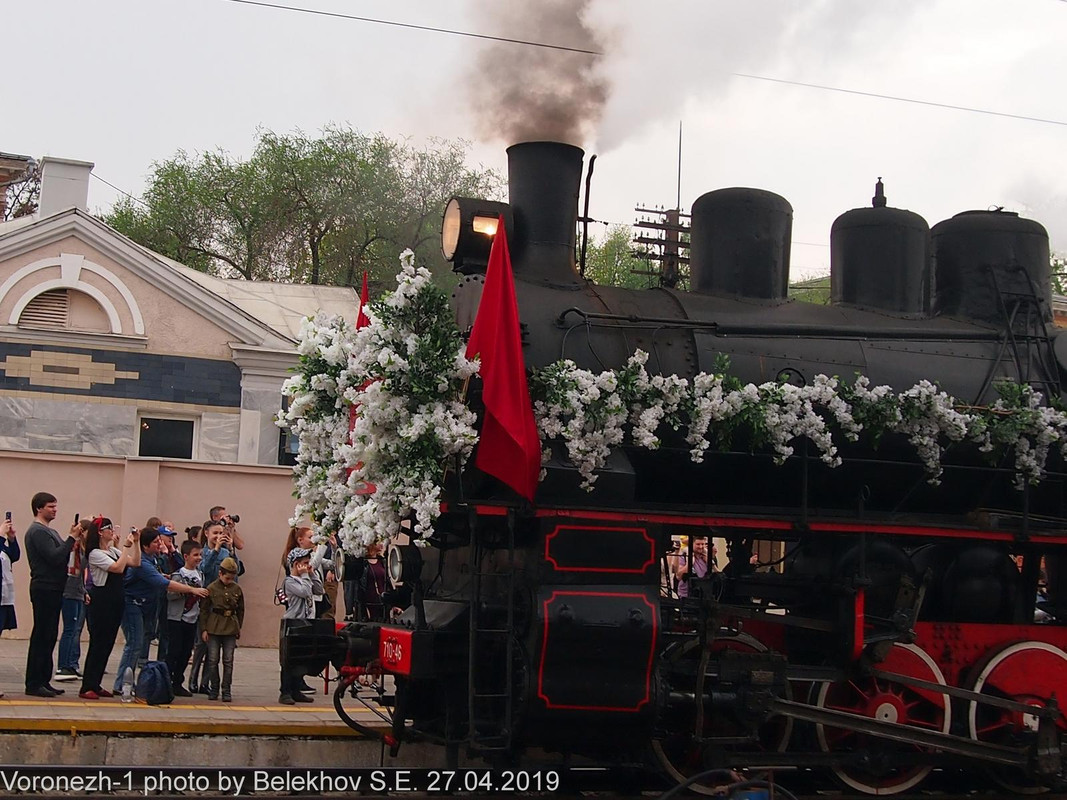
x=253, y=730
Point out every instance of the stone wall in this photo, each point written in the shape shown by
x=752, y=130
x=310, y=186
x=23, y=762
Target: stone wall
x=37, y=421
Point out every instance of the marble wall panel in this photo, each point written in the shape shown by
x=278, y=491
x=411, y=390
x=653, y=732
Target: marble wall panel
x=95, y=428
x=269, y=440
x=219, y=437
x=269, y=402
x=52, y=434
x=16, y=407
x=265, y=404
x=12, y=426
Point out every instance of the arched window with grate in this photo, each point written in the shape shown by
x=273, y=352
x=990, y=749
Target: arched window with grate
x=48, y=309
x=65, y=308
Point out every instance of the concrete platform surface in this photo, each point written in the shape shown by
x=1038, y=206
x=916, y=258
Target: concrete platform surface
x=254, y=711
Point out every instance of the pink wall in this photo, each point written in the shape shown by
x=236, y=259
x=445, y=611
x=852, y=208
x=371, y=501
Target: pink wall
x=130, y=490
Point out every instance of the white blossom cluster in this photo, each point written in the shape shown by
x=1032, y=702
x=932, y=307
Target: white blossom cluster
x=926, y=415
x=1028, y=428
x=592, y=413
x=409, y=424
x=586, y=411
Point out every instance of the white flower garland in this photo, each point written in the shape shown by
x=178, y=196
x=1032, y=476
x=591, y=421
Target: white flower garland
x=589, y=413
x=405, y=372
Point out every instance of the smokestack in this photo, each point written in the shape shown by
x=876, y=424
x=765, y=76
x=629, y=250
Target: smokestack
x=543, y=178
x=64, y=183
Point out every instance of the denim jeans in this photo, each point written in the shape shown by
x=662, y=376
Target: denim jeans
x=135, y=620
x=70, y=649
x=162, y=634
x=151, y=626
x=216, y=646
x=351, y=593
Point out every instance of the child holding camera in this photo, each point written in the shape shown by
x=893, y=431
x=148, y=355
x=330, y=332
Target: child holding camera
x=216, y=550
x=301, y=586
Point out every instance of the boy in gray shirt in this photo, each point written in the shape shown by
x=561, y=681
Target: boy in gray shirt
x=183, y=612
x=301, y=586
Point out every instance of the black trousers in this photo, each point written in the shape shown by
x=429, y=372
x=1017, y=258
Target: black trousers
x=181, y=636
x=291, y=678
x=47, y=607
x=105, y=619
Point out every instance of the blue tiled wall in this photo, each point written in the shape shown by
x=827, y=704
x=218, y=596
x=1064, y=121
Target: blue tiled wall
x=173, y=379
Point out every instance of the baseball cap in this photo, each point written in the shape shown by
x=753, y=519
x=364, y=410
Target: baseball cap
x=167, y=531
x=296, y=554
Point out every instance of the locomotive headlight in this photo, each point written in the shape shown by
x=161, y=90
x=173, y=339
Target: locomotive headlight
x=486, y=225
x=404, y=563
x=450, y=229
x=467, y=231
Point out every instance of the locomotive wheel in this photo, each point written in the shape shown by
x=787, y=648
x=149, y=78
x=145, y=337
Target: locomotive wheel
x=890, y=702
x=681, y=757
x=1025, y=672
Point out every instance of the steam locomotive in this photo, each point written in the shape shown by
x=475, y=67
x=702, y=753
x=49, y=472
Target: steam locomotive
x=865, y=623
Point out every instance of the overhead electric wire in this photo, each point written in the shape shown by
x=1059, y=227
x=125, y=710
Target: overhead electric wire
x=902, y=99
x=117, y=189
x=418, y=27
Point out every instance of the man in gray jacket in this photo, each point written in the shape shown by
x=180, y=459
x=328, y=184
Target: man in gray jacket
x=48, y=554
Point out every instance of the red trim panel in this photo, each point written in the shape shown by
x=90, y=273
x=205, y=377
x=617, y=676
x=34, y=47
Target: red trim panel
x=601, y=550
x=859, y=607
x=575, y=656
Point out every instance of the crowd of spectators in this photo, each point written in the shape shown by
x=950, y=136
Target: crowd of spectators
x=182, y=595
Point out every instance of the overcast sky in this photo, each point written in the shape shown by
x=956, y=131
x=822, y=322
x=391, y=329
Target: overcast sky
x=125, y=82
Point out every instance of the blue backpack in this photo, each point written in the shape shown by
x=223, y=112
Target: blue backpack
x=153, y=684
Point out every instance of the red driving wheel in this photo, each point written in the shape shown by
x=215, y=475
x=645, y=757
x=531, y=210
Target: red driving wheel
x=884, y=769
x=1027, y=672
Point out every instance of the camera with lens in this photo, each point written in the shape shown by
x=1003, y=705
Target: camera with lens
x=232, y=519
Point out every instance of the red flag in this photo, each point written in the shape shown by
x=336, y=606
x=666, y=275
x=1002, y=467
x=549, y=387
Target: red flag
x=362, y=320
x=510, y=448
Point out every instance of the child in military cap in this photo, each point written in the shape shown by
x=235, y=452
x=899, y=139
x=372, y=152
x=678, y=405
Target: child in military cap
x=222, y=613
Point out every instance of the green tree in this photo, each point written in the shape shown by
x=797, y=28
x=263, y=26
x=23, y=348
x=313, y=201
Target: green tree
x=1059, y=273
x=304, y=209
x=813, y=290
x=613, y=261
x=209, y=212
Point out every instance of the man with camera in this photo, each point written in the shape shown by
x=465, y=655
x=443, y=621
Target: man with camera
x=229, y=522
x=48, y=553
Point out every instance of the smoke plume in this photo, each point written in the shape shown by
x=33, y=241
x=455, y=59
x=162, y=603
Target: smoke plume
x=522, y=93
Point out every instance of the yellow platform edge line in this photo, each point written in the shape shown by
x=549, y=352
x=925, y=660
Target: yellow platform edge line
x=158, y=728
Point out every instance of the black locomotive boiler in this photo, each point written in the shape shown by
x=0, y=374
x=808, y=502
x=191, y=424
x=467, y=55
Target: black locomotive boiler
x=865, y=623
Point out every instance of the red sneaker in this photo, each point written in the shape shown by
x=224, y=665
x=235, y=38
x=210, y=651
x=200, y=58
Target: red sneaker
x=89, y=695
x=105, y=693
